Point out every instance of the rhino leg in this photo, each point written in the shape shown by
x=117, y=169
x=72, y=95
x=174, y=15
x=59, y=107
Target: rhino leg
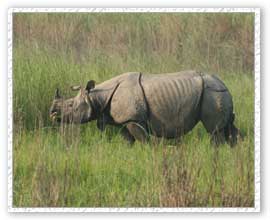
x=215, y=115
x=127, y=136
x=218, y=137
x=101, y=123
x=138, y=131
x=229, y=133
x=217, y=111
x=232, y=133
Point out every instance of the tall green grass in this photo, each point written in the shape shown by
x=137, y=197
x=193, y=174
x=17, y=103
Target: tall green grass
x=101, y=170
x=79, y=166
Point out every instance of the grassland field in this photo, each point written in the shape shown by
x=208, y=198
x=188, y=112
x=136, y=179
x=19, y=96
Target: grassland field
x=78, y=166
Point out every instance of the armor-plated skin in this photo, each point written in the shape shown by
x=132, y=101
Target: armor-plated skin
x=164, y=105
x=174, y=102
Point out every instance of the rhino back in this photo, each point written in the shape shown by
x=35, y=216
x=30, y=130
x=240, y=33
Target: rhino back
x=173, y=101
x=115, y=80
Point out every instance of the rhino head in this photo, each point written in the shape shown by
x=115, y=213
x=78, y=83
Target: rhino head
x=76, y=110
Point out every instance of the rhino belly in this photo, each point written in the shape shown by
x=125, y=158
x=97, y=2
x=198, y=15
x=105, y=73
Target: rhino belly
x=173, y=126
x=173, y=104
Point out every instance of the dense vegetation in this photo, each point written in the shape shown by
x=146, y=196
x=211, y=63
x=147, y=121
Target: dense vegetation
x=80, y=167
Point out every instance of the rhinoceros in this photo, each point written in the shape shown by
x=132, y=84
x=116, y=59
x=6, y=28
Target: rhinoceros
x=162, y=105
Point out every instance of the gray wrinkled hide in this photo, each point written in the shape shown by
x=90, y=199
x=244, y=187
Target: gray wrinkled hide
x=169, y=104
x=128, y=101
x=173, y=101
x=217, y=105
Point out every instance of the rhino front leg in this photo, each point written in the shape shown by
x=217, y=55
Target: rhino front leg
x=102, y=121
x=138, y=131
x=101, y=124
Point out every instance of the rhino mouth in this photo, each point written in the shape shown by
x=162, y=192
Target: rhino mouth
x=58, y=118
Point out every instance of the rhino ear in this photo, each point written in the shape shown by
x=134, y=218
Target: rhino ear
x=90, y=85
x=75, y=88
x=57, y=94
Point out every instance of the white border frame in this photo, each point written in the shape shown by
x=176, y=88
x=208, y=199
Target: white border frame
x=256, y=207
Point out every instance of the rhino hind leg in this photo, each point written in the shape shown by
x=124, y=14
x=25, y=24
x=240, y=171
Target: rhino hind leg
x=232, y=133
x=218, y=137
x=217, y=112
x=138, y=131
x=127, y=135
